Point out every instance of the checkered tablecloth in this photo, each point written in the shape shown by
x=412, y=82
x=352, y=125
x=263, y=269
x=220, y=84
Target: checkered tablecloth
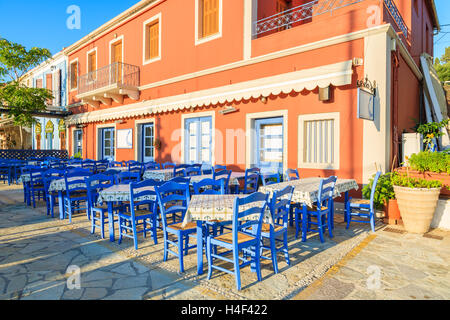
x=307, y=190
x=167, y=174
x=121, y=192
x=217, y=208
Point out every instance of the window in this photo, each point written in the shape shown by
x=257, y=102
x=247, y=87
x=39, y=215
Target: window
x=152, y=39
x=39, y=83
x=74, y=75
x=92, y=64
x=319, y=141
x=148, y=142
x=78, y=142
x=208, y=20
x=269, y=144
x=107, y=138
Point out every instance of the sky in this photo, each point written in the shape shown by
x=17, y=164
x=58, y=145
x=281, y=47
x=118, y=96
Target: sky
x=43, y=23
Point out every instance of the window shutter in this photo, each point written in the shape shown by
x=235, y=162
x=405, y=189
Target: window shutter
x=210, y=17
x=154, y=40
x=57, y=87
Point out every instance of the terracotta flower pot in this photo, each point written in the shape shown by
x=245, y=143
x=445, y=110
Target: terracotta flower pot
x=417, y=207
x=443, y=177
x=392, y=212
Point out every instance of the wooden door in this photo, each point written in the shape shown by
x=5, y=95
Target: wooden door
x=117, y=61
x=49, y=86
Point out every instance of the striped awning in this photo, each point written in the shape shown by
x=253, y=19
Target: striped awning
x=338, y=74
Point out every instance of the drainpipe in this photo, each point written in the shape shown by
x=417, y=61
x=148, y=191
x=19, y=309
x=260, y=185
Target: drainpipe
x=394, y=113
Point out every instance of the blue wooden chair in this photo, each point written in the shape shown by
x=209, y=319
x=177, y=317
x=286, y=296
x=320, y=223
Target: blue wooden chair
x=173, y=199
x=206, y=169
x=251, y=182
x=76, y=198
x=25, y=170
x=5, y=172
x=112, y=172
x=36, y=185
x=279, y=208
x=137, y=168
x=193, y=171
x=224, y=175
x=292, y=175
x=99, y=214
x=245, y=237
x=321, y=212
x=128, y=177
x=140, y=192
x=209, y=186
x=186, y=180
x=219, y=167
x=268, y=179
x=363, y=209
x=51, y=196
x=168, y=165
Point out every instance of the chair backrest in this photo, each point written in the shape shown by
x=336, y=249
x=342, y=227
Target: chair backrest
x=143, y=193
x=152, y=166
x=95, y=184
x=224, y=175
x=36, y=176
x=374, y=189
x=128, y=177
x=132, y=163
x=168, y=165
x=209, y=186
x=179, y=170
x=173, y=198
x=219, y=168
x=75, y=170
x=326, y=192
x=88, y=164
x=113, y=164
x=269, y=179
x=193, y=171
x=251, y=183
x=206, y=168
x=54, y=173
x=254, y=204
x=292, y=174
x=280, y=204
x=136, y=167
x=111, y=172
x=76, y=181
x=101, y=166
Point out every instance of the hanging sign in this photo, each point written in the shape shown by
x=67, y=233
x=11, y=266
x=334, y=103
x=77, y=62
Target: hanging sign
x=366, y=99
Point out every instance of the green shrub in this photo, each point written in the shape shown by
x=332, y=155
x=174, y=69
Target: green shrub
x=403, y=180
x=430, y=161
x=383, y=192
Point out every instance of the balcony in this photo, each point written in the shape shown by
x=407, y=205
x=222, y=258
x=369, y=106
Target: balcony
x=299, y=15
x=108, y=84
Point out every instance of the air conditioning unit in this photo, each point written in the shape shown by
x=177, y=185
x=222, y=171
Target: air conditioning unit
x=411, y=143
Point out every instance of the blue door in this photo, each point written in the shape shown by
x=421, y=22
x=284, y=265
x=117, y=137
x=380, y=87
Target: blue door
x=148, y=142
x=269, y=145
x=78, y=142
x=198, y=137
x=49, y=140
x=108, y=144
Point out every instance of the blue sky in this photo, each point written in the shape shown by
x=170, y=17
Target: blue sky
x=43, y=23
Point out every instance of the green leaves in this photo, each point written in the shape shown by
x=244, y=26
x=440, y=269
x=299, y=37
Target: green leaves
x=20, y=101
x=432, y=131
x=430, y=161
x=442, y=66
x=407, y=182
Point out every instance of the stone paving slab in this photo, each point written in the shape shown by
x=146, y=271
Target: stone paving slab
x=35, y=252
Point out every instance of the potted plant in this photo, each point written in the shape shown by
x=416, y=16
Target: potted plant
x=417, y=201
x=430, y=132
x=384, y=198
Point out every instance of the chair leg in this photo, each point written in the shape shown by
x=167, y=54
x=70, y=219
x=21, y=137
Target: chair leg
x=274, y=253
x=94, y=218
x=135, y=237
x=372, y=221
x=237, y=271
x=209, y=257
x=180, y=252
x=305, y=219
x=348, y=214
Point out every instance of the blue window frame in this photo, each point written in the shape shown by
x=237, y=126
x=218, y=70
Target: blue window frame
x=107, y=143
x=148, y=142
x=270, y=144
x=198, y=140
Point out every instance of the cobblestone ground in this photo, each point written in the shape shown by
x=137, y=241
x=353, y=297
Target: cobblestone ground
x=37, y=252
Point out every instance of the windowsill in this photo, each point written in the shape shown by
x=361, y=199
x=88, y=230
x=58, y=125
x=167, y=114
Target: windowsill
x=152, y=60
x=199, y=41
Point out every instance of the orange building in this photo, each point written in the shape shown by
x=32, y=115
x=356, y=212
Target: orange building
x=271, y=83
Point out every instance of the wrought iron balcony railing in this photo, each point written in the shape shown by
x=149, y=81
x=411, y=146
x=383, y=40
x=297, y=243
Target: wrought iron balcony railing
x=287, y=19
x=118, y=73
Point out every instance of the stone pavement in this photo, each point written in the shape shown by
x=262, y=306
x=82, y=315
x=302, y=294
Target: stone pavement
x=37, y=252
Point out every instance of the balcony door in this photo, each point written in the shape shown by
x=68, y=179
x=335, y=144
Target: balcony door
x=269, y=145
x=116, y=60
x=148, y=142
x=198, y=148
x=107, y=139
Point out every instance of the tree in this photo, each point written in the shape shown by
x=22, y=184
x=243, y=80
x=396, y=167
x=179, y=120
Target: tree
x=442, y=66
x=20, y=101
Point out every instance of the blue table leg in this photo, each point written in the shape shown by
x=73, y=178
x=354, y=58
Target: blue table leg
x=346, y=201
x=111, y=222
x=199, y=247
x=61, y=205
